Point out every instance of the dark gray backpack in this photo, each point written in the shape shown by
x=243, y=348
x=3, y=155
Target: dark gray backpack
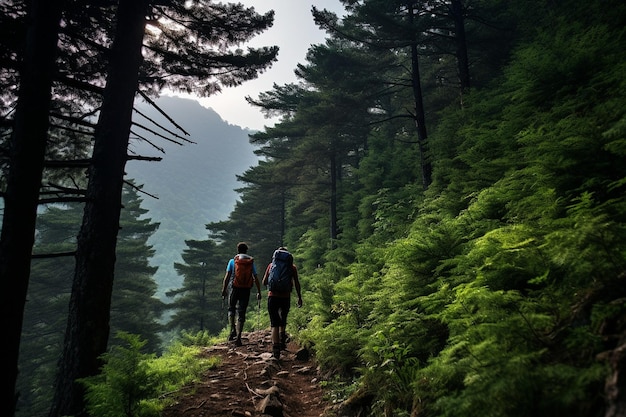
x=281, y=272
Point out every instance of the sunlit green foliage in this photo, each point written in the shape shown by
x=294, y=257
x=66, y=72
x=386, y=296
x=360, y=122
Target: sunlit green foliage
x=202, y=338
x=497, y=291
x=137, y=384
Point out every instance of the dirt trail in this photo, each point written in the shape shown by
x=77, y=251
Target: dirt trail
x=249, y=382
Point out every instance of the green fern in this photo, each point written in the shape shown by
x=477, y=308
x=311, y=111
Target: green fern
x=135, y=384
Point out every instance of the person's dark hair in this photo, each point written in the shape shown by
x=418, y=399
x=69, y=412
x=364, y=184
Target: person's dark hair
x=242, y=247
x=282, y=248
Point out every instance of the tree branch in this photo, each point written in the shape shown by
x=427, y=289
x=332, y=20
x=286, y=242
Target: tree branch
x=160, y=126
x=153, y=104
x=143, y=158
x=80, y=132
x=74, y=120
x=158, y=148
x=62, y=200
x=160, y=135
x=76, y=163
x=52, y=255
x=130, y=184
x=67, y=190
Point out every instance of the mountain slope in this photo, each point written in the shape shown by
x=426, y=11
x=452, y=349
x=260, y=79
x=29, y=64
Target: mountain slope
x=194, y=183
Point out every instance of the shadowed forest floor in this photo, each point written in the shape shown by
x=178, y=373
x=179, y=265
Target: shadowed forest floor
x=249, y=382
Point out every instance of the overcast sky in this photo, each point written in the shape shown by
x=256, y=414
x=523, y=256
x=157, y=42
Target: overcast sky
x=293, y=31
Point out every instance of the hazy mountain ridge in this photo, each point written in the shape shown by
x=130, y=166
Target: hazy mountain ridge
x=194, y=183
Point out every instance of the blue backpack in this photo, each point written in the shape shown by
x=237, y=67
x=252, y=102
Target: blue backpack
x=281, y=272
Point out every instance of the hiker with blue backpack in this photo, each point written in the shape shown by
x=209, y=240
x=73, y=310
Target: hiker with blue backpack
x=240, y=277
x=280, y=277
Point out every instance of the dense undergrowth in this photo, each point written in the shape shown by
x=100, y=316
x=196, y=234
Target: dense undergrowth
x=500, y=290
x=133, y=383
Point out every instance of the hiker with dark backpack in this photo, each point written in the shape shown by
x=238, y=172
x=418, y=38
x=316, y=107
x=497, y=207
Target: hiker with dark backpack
x=240, y=277
x=280, y=277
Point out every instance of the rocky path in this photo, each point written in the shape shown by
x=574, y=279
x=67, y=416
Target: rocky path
x=249, y=382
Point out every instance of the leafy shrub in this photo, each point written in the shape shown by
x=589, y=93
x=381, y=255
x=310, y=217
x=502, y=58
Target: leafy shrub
x=134, y=384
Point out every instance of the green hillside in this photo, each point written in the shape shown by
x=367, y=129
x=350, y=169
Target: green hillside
x=194, y=183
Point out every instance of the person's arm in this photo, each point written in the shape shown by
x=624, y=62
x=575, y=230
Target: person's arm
x=266, y=275
x=258, y=286
x=225, y=284
x=256, y=282
x=296, y=283
x=227, y=277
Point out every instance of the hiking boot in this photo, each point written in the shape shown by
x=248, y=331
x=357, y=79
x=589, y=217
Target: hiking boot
x=233, y=329
x=283, y=341
x=238, y=341
x=276, y=352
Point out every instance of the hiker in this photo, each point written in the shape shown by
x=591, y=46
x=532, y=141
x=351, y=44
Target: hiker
x=281, y=275
x=240, y=276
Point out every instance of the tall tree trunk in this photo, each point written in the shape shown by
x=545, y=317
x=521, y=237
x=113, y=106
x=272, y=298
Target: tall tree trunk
x=89, y=310
x=420, y=118
x=334, y=230
x=461, y=45
x=28, y=145
x=283, y=216
x=615, y=385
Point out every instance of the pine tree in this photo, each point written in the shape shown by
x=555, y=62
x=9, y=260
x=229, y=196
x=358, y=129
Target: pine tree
x=134, y=307
x=28, y=144
x=392, y=26
x=197, y=305
x=312, y=150
x=91, y=293
x=85, y=63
